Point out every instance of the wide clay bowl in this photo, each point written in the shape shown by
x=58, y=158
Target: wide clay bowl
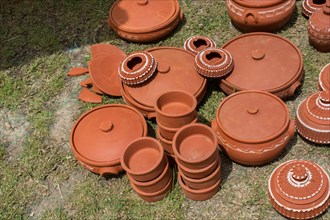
x=324, y=78
x=201, y=172
x=196, y=44
x=252, y=15
x=198, y=194
x=195, y=146
x=144, y=159
x=167, y=144
x=169, y=133
x=156, y=184
x=310, y=6
x=175, y=109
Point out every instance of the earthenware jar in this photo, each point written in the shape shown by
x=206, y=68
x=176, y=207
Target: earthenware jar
x=253, y=127
x=319, y=28
x=310, y=6
x=254, y=15
x=299, y=189
x=99, y=137
x=324, y=78
x=144, y=20
x=313, y=118
x=196, y=44
x=259, y=65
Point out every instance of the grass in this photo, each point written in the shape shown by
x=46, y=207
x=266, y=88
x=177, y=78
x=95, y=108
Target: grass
x=39, y=43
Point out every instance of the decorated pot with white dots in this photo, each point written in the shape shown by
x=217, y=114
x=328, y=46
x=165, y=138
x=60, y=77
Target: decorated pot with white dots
x=324, y=78
x=310, y=6
x=313, y=118
x=299, y=189
x=196, y=44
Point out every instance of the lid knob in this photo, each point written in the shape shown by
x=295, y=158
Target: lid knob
x=106, y=126
x=324, y=98
x=163, y=68
x=142, y=2
x=299, y=173
x=252, y=110
x=258, y=54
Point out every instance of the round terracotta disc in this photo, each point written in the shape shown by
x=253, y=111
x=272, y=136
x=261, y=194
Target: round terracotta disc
x=101, y=134
x=260, y=65
x=324, y=79
x=299, y=189
x=252, y=116
x=104, y=71
x=175, y=71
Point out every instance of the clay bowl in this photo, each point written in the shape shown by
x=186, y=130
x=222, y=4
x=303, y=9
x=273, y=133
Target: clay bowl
x=198, y=194
x=156, y=184
x=169, y=133
x=175, y=109
x=144, y=159
x=167, y=144
x=195, y=146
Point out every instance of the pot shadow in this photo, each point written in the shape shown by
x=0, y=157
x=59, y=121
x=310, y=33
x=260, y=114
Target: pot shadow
x=297, y=92
x=113, y=176
x=226, y=166
x=287, y=149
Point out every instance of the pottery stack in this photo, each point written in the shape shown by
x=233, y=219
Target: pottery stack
x=197, y=156
x=148, y=169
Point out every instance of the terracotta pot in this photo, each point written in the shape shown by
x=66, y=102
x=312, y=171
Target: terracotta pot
x=198, y=194
x=144, y=159
x=253, y=127
x=313, y=118
x=214, y=63
x=144, y=20
x=195, y=146
x=251, y=15
x=175, y=66
x=253, y=54
x=156, y=184
x=324, y=78
x=167, y=144
x=319, y=28
x=196, y=44
x=310, y=6
x=168, y=133
x=99, y=137
x=201, y=172
x=299, y=189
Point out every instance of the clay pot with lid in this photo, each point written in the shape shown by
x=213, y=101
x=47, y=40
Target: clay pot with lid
x=253, y=127
x=259, y=65
x=257, y=15
x=319, y=28
x=313, y=118
x=299, y=189
x=324, y=78
x=195, y=44
x=100, y=136
x=144, y=20
x=310, y=6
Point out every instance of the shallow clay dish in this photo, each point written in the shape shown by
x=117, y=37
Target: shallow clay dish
x=310, y=6
x=196, y=44
x=324, y=78
x=198, y=173
x=299, y=189
x=100, y=136
x=259, y=65
x=253, y=127
x=175, y=67
x=313, y=118
x=144, y=159
x=144, y=20
x=260, y=15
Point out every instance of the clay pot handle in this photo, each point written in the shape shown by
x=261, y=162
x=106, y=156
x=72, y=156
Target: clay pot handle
x=291, y=129
x=251, y=13
x=181, y=16
x=142, y=2
x=109, y=170
x=293, y=88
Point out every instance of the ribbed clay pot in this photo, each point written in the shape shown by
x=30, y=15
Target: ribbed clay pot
x=324, y=78
x=167, y=144
x=144, y=159
x=169, y=133
x=196, y=44
x=201, y=172
x=310, y=6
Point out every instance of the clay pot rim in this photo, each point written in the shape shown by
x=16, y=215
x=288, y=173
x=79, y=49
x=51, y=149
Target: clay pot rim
x=173, y=129
x=196, y=191
x=99, y=163
x=270, y=138
x=144, y=172
x=281, y=87
x=189, y=126
x=159, y=111
x=154, y=193
x=200, y=170
x=321, y=75
x=201, y=180
x=264, y=4
x=176, y=11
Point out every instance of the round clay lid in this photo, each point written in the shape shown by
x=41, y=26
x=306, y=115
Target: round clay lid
x=260, y=65
x=299, y=189
x=324, y=79
x=143, y=16
x=101, y=134
x=253, y=116
x=258, y=3
x=175, y=71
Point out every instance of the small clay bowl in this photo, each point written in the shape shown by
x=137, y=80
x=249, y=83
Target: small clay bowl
x=205, y=182
x=175, y=109
x=144, y=159
x=167, y=144
x=169, y=133
x=199, y=173
x=195, y=146
x=198, y=194
x=156, y=184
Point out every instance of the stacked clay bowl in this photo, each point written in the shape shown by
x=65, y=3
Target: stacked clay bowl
x=174, y=109
x=147, y=168
x=197, y=156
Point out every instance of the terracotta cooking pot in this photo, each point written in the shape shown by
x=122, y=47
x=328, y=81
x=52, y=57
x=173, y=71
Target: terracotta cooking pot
x=324, y=78
x=258, y=15
x=196, y=44
x=168, y=133
x=253, y=127
x=200, y=172
x=310, y=6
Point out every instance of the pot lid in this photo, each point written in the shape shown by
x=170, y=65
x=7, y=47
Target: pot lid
x=259, y=3
x=259, y=65
x=142, y=16
x=196, y=44
x=101, y=134
x=175, y=71
x=320, y=20
x=310, y=6
x=299, y=189
x=324, y=79
x=252, y=116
